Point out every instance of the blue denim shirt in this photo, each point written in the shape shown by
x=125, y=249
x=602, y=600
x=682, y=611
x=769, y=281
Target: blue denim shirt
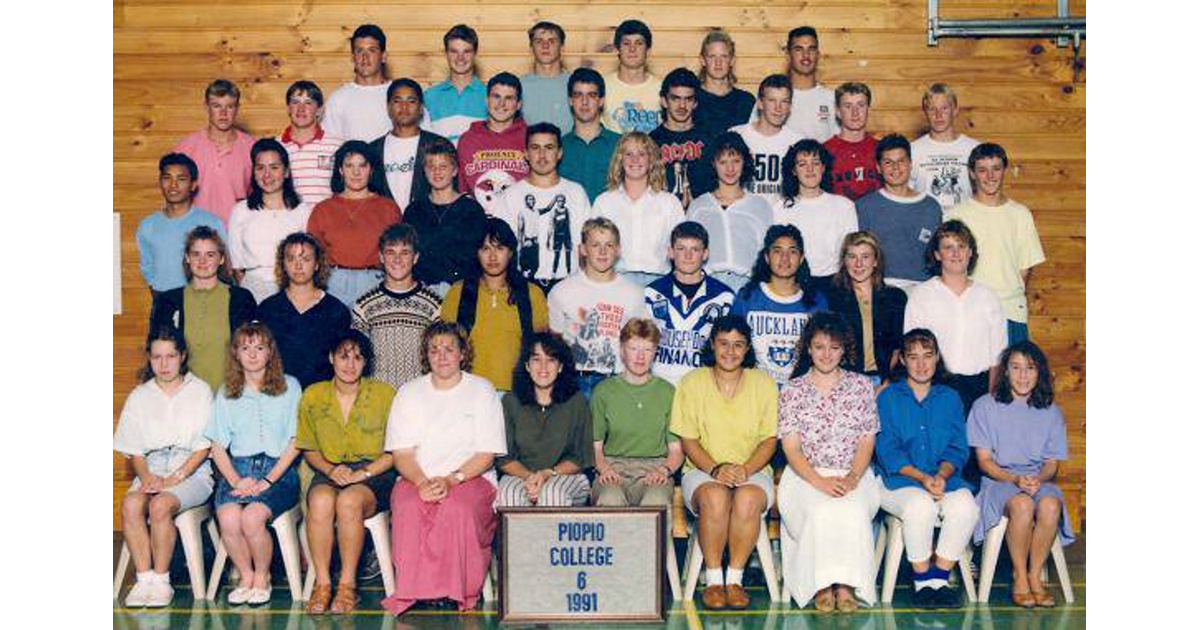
x=920, y=434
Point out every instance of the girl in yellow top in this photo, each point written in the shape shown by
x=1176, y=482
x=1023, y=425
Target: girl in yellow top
x=726, y=415
x=341, y=428
x=496, y=305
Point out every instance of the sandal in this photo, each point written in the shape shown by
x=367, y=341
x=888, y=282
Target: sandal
x=824, y=602
x=318, y=602
x=847, y=604
x=1043, y=599
x=345, y=601
x=1024, y=600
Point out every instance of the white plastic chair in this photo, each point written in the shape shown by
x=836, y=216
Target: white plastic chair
x=188, y=523
x=766, y=557
x=991, y=553
x=895, y=551
x=380, y=532
x=286, y=531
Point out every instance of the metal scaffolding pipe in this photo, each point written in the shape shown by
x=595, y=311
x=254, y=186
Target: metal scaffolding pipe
x=1022, y=22
x=1064, y=29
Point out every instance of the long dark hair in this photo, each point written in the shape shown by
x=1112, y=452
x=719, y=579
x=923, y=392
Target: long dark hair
x=762, y=269
x=356, y=147
x=565, y=385
x=1042, y=395
x=254, y=200
x=835, y=327
x=496, y=231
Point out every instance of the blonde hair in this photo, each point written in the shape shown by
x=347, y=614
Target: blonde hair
x=936, y=89
x=718, y=36
x=616, y=167
x=841, y=279
x=596, y=224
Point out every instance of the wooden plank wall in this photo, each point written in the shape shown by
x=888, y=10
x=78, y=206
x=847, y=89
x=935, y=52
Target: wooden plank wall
x=1025, y=94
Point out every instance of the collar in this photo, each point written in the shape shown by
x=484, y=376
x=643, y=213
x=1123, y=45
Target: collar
x=287, y=135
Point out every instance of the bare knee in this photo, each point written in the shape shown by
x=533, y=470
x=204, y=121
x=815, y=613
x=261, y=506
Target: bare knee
x=712, y=500
x=133, y=508
x=1020, y=509
x=749, y=503
x=1048, y=510
x=162, y=509
x=254, y=521
x=321, y=502
x=349, y=507
x=230, y=518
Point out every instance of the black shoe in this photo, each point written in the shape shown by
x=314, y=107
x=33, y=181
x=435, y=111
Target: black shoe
x=925, y=598
x=947, y=597
x=370, y=566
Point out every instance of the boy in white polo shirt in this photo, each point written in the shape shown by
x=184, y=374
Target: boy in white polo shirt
x=1009, y=246
x=589, y=308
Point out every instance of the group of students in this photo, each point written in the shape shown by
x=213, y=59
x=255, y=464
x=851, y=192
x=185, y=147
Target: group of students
x=382, y=283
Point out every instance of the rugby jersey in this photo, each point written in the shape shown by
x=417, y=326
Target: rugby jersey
x=685, y=323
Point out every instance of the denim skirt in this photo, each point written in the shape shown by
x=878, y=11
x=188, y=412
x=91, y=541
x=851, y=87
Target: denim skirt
x=279, y=497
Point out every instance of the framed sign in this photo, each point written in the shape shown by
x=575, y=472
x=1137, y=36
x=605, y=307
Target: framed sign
x=582, y=564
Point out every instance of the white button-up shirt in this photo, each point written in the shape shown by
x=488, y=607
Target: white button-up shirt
x=645, y=227
x=970, y=328
x=152, y=420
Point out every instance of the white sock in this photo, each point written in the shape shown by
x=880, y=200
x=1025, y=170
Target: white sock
x=930, y=583
x=146, y=576
x=163, y=578
x=713, y=577
x=733, y=576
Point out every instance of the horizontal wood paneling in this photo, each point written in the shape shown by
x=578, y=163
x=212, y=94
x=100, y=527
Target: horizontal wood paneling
x=1025, y=94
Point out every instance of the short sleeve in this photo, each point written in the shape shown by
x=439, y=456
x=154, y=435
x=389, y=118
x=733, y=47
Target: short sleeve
x=402, y=429
x=291, y=408
x=868, y=422
x=683, y=420
x=599, y=409
x=1029, y=244
x=218, y=429
x=1056, y=442
x=979, y=433
x=788, y=421
x=557, y=318
x=768, y=423
x=306, y=434
x=489, y=426
x=128, y=438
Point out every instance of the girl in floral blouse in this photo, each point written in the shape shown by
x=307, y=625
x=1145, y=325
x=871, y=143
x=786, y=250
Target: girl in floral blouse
x=828, y=494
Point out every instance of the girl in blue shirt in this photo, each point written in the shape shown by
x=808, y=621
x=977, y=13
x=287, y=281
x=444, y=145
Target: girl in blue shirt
x=253, y=430
x=920, y=450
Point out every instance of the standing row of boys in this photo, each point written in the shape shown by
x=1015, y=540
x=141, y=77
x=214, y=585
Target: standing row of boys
x=490, y=226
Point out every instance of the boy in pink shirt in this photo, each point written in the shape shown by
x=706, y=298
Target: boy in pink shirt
x=221, y=152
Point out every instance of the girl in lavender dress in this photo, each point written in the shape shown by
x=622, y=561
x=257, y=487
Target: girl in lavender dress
x=1019, y=436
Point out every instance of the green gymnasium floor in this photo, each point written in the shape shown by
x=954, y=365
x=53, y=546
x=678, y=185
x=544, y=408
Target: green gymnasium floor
x=279, y=614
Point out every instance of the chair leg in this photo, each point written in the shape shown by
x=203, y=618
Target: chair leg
x=880, y=549
x=766, y=557
x=289, y=548
x=695, y=561
x=991, y=553
x=122, y=569
x=672, y=568
x=189, y=525
x=1060, y=567
x=378, y=525
x=895, y=549
x=964, y=567
x=214, y=578
x=310, y=577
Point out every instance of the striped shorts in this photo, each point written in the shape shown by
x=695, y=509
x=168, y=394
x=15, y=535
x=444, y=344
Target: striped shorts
x=558, y=491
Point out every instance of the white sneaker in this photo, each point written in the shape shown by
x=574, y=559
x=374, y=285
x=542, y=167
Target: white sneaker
x=161, y=594
x=239, y=595
x=137, y=596
x=259, y=596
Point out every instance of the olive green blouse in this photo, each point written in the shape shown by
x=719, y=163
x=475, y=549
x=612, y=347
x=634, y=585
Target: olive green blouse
x=320, y=426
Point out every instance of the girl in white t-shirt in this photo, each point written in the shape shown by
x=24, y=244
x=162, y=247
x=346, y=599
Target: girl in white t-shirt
x=259, y=222
x=823, y=218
